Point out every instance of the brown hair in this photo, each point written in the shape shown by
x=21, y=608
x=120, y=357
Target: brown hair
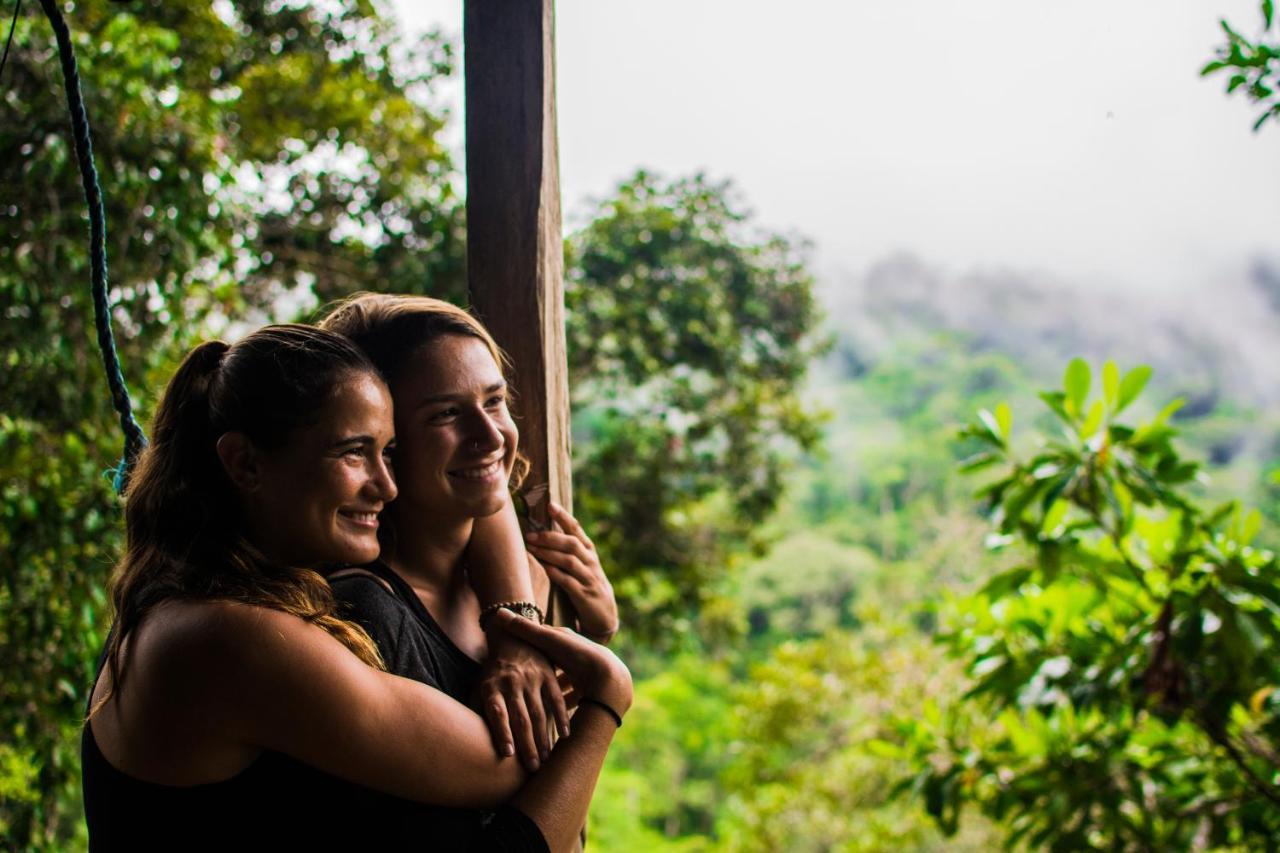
x=184, y=532
x=392, y=327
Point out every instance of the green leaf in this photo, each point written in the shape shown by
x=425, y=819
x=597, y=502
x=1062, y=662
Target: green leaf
x=1220, y=513
x=1268, y=12
x=1004, y=418
x=1093, y=420
x=992, y=426
x=1005, y=582
x=1131, y=386
x=1056, y=401
x=885, y=749
x=1056, y=514
x=1110, y=383
x=978, y=461
x=1015, y=503
x=1076, y=383
x=1169, y=410
x=1250, y=527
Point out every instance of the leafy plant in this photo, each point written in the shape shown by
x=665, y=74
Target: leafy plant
x=1254, y=65
x=1124, y=676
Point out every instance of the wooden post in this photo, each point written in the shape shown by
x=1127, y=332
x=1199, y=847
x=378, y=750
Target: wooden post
x=515, y=252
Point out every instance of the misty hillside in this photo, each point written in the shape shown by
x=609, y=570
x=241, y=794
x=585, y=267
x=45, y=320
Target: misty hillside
x=1216, y=345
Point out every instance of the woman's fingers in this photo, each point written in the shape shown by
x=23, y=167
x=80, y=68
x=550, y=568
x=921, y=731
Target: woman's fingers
x=522, y=728
x=570, y=583
x=566, y=563
x=553, y=698
x=495, y=714
x=569, y=523
x=538, y=720
x=562, y=543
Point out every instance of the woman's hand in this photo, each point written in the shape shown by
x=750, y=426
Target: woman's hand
x=518, y=692
x=571, y=561
x=595, y=671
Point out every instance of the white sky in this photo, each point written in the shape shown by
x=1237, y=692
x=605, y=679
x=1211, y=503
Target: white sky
x=1069, y=138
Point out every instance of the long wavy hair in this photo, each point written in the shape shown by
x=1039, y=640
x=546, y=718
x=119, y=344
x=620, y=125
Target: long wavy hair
x=392, y=327
x=185, y=534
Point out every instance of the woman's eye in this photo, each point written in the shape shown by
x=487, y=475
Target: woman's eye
x=444, y=415
x=495, y=402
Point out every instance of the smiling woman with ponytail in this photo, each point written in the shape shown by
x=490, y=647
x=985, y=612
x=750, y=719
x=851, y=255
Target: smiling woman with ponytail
x=235, y=708
x=185, y=536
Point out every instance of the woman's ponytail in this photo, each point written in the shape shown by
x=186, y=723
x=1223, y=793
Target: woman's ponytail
x=185, y=535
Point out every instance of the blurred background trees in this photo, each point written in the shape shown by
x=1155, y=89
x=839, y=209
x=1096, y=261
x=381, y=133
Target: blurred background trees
x=837, y=648
x=690, y=333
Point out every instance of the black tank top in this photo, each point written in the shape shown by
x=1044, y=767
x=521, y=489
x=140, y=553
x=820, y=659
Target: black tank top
x=274, y=803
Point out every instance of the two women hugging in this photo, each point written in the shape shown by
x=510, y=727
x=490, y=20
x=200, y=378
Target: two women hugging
x=327, y=623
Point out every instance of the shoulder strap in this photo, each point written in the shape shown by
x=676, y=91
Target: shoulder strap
x=353, y=572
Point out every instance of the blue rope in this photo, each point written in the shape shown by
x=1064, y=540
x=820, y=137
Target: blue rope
x=134, y=438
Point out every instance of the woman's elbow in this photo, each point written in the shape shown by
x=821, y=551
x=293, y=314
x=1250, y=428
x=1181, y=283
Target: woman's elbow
x=494, y=786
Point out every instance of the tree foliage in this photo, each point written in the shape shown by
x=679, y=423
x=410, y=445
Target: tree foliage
x=1124, y=676
x=249, y=152
x=1253, y=64
x=689, y=336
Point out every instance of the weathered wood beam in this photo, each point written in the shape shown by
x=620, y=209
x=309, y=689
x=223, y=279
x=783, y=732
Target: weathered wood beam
x=515, y=251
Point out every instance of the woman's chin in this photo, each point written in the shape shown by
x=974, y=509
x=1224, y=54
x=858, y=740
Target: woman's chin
x=488, y=506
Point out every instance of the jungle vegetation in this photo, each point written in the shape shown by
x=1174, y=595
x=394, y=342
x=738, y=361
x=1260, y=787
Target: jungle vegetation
x=898, y=568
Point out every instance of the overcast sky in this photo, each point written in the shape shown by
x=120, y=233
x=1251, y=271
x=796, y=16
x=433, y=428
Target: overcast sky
x=1069, y=138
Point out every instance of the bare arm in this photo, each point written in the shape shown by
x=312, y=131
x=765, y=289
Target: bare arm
x=497, y=565
x=214, y=682
x=518, y=692
x=219, y=678
x=558, y=796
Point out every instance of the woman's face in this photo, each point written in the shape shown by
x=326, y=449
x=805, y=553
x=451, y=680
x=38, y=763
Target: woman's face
x=319, y=496
x=456, y=442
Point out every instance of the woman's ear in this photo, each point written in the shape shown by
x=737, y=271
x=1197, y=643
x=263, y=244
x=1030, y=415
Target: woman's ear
x=240, y=460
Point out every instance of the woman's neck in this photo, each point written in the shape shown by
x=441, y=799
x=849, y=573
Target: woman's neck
x=429, y=554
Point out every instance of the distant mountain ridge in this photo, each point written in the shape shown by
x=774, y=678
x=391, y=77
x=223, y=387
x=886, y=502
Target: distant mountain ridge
x=1220, y=343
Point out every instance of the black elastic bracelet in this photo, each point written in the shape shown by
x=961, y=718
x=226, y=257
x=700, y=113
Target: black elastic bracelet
x=604, y=706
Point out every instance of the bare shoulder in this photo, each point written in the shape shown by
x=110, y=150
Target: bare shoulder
x=184, y=628
x=218, y=644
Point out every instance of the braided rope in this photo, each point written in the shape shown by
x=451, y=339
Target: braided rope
x=134, y=438
x=8, y=43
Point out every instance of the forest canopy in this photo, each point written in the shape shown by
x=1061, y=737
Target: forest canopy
x=837, y=644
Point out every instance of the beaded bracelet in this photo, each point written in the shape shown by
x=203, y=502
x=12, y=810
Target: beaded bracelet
x=527, y=609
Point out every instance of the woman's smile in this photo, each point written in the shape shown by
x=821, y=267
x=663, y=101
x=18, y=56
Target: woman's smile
x=367, y=519
x=482, y=472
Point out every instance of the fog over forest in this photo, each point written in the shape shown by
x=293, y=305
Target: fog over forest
x=1218, y=341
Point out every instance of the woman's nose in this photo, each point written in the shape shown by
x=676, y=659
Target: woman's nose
x=383, y=480
x=484, y=434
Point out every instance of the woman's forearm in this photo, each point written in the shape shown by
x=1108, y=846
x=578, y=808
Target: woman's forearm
x=498, y=566
x=558, y=796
